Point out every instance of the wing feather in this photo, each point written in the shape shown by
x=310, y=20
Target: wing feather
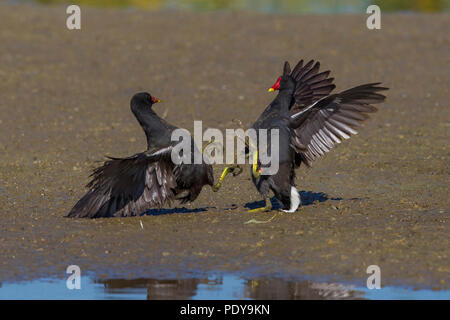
x=316, y=128
x=311, y=85
x=128, y=186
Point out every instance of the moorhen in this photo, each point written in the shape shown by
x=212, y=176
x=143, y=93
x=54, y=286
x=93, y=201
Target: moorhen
x=130, y=186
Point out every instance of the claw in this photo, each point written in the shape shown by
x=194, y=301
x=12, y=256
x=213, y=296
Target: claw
x=239, y=170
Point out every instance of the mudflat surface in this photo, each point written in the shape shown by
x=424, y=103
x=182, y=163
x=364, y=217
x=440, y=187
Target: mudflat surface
x=380, y=198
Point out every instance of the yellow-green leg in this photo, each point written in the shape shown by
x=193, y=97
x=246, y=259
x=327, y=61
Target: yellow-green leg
x=234, y=169
x=266, y=208
x=212, y=141
x=255, y=171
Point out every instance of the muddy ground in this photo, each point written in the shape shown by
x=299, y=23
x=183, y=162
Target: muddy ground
x=380, y=198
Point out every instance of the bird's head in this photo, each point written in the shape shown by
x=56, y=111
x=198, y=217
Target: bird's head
x=285, y=81
x=143, y=99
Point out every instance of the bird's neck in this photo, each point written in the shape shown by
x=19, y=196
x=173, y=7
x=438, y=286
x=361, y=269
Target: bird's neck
x=284, y=99
x=145, y=117
x=152, y=125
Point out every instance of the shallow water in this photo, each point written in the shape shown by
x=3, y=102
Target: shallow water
x=229, y=287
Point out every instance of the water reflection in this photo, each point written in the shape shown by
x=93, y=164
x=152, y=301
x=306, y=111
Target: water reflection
x=224, y=287
x=273, y=6
x=156, y=289
x=230, y=287
x=276, y=289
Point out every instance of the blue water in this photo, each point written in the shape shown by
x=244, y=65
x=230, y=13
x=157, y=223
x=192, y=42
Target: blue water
x=213, y=288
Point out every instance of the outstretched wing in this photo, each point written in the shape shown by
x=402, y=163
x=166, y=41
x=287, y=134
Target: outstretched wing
x=128, y=186
x=310, y=84
x=328, y=121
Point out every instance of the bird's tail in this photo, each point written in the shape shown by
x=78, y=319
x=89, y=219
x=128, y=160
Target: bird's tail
x=294, y=200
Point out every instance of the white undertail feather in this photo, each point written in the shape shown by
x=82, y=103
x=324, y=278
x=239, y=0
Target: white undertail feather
x=295, y=200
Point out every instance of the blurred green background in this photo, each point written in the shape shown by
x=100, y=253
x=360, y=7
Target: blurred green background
x=272, y=6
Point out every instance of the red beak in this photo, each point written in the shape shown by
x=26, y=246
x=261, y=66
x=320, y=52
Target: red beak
x=155, y=100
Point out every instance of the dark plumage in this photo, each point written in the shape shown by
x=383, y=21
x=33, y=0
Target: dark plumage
x=310, y=122
x=130, y=186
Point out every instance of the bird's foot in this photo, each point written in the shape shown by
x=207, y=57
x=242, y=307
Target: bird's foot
x=216, y=187
x=235, y=170
x=266, y=208
x=262, y=209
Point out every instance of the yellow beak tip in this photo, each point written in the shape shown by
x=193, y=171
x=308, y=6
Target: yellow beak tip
x=271, y=89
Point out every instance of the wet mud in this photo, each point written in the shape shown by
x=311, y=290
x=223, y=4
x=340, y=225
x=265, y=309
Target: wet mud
x=380, y=198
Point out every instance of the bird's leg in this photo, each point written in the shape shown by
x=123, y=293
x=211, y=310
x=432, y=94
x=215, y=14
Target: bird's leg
x=227, y=169
x=207, y=144
x=251, y=146
x=237, y=169
x=217, y=186
x=266, y=208
x=234, y=169
x=255, y=172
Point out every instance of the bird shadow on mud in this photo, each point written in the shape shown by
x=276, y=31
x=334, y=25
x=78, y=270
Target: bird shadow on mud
x=157, y=212
x=307, y=197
